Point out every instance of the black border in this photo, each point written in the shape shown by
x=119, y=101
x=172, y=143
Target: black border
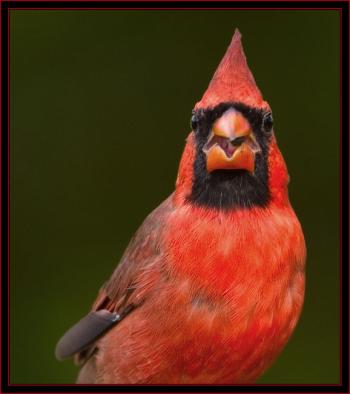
x=5, y=8
x=182, y=4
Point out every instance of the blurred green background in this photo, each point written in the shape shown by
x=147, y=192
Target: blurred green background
x=100, y=108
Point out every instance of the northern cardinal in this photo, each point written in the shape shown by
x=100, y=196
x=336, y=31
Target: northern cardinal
x=211, y=286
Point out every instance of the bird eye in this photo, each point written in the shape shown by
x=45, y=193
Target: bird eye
x=267, y=122
x=194, y=122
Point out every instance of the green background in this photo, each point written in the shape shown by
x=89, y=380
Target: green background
x=100, y=108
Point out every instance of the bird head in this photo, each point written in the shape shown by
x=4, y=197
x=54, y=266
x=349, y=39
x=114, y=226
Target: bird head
x=231, y=159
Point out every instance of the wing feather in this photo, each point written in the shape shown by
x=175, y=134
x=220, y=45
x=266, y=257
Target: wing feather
x=122, y=292
x=83, y=333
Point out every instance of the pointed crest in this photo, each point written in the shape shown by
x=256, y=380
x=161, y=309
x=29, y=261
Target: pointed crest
x=233, y=81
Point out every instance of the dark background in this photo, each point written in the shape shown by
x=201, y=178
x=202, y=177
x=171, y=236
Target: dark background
x=100, y=108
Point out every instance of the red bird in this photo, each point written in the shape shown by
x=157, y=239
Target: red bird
x=211, y=287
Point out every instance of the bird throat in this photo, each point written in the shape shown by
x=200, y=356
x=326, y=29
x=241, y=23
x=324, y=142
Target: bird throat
x=229, y=189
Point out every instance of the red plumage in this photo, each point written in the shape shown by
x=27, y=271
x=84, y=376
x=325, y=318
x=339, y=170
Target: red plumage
x=233, y=81
x=216, y=292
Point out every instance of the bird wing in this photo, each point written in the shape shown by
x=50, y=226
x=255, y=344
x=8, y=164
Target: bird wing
x=122, y=293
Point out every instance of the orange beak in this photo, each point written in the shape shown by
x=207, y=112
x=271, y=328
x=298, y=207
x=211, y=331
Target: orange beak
x=231, y=144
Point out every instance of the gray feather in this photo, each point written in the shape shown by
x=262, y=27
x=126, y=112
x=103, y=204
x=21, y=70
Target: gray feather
x=85, y=332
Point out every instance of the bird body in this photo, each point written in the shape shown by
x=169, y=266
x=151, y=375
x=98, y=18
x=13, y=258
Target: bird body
x=212, y=284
